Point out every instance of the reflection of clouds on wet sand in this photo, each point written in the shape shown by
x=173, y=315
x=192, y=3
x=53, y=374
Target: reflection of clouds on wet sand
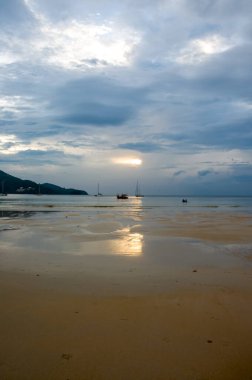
x=116, y=239
x=72, y=237
x=122, y=242
x=104, y=227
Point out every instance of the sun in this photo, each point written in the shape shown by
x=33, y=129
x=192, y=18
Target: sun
x=130, y=161
x=135, y=161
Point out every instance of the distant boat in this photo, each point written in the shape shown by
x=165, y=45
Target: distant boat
x=98, y=192
x=138, y=192
x=3, y=194
x=39, y=192
x=184, y=200
x=122, y=196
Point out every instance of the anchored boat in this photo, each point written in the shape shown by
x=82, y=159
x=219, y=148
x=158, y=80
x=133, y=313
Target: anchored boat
x=122, y=196
x=138, y=192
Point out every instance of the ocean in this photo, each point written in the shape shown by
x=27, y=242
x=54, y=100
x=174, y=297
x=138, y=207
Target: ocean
x=161, y=203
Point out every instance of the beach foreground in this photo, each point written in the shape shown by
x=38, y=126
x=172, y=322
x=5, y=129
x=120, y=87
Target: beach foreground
x=198, y=333
x=84, y=299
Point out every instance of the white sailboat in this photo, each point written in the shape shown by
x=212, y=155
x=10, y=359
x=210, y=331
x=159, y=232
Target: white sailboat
x=98, y=191
x=3, y=193
x=138, y=192
x=39, y=192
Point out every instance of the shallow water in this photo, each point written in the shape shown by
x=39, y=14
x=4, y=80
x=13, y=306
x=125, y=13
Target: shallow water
x=18, y=201
x=155, y=231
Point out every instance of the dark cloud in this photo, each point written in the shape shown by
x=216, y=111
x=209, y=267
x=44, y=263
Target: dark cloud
x=7, y=145
x=204, y=173
x=40, y=157
x=224, y=9
x=97, y=101
x=234, y=135
x=245, y=179
x=51, y=130
x=98, y=115
x=76, y=144
x=15, y=17
x=225, y=76
x=4, y=123
x=95, y=62
x=178, y=173
x=144, y=147
x=8, y=159
x=14, y=11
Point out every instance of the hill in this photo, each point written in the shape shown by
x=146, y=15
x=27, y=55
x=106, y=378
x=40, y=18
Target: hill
x=13, y=185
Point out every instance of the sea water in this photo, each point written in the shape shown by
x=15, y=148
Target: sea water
x=61, y=202
x=102, y=235
x=145, y=211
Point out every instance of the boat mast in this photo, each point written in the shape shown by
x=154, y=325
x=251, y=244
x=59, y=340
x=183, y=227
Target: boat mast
x=137, y=190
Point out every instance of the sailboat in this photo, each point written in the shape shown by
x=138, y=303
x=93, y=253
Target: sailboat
x=39, y=192
x=138, y=192
x=98, y=192
x=3, y=193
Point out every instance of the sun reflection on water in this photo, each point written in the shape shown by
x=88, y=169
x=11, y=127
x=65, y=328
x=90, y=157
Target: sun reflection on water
x=131, y=244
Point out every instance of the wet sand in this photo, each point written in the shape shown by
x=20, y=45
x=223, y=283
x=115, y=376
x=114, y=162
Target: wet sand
x=93, y=303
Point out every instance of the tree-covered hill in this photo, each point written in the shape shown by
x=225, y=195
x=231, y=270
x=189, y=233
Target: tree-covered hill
x=13, y=185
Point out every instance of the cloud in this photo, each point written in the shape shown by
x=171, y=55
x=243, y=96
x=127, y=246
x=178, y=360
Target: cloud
x=234, y=135
x=96, y=101
x=168, y=79
x=143, y=147
x=98, y=115
x=69, y=43
x=198, y=50
x=40, y=158
x=178, y=173
x=15, y=16
x=204, y=173
x=219, y=9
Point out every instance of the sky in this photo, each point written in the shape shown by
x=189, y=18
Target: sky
x=112, y=92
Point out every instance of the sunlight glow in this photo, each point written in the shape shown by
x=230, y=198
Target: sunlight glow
x=11, y=144
x=14, y=104
x=199, y=50
x=243, y=105
x=128, y=161
x=78, y=46
x=6, y=58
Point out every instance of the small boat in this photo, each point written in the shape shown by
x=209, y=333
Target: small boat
x=98, y=192
x=138, y=192
x=184, y=200
x=122, y=196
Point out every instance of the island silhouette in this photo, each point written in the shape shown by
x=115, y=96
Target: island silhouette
x=15, y=185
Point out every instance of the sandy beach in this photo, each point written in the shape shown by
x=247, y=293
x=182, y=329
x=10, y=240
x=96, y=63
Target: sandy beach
x=99, y=298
